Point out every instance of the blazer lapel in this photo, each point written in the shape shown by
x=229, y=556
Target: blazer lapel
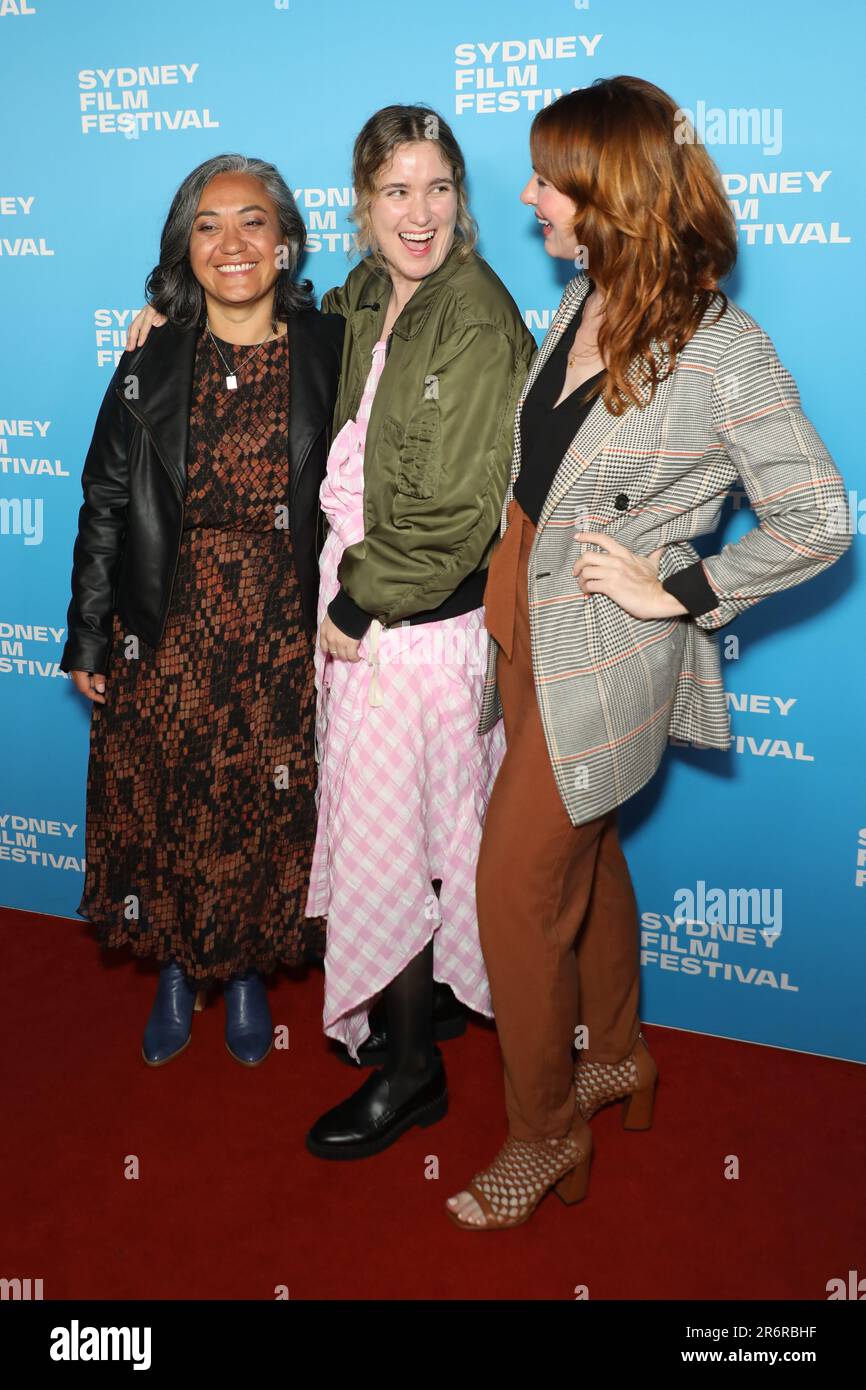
x=595, y=432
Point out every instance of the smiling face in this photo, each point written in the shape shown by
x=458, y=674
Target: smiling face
x=556, y=214
x=233, y=247
x=414, y=210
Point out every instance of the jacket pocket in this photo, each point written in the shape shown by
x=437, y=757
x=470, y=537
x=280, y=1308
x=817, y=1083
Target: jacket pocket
x=421, y=453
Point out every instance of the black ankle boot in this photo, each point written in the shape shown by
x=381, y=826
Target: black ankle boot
x=372, y=1119
x=449, y=1021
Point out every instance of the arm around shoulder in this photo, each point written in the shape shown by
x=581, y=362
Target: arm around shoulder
x=335, y=301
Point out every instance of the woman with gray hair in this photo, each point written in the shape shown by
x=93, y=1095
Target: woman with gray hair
x=193, y=613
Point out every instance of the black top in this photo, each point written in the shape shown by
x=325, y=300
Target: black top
x=547, y=429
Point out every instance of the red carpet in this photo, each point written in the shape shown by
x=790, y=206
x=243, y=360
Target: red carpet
x=229, y=1204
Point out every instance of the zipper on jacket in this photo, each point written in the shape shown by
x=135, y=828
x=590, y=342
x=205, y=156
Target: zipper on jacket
x=145, y=426
x=135, y=415
x=174, y=574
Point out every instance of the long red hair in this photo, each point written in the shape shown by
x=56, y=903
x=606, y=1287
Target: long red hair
x=652, y=214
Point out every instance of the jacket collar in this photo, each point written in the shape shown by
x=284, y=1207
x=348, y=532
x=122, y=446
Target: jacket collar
x=376, y=289
x=163, y=368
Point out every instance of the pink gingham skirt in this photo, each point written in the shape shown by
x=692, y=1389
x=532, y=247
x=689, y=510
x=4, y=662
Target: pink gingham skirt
x=404, y=781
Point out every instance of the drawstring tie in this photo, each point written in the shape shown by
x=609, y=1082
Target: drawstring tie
x=375, y=695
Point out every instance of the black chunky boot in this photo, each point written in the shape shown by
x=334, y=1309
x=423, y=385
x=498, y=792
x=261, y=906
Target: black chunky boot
x=410, y=1089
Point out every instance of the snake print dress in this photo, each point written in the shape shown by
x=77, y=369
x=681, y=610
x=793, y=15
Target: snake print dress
x=202, y=774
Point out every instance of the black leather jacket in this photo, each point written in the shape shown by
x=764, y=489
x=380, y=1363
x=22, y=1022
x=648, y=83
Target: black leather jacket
x=134, y=483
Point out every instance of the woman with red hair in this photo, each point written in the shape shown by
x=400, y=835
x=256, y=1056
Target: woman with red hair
x=651, y=394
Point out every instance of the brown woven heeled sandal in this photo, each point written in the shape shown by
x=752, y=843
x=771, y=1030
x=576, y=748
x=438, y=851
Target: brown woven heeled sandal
x=633, y=1080
x=522, y=1174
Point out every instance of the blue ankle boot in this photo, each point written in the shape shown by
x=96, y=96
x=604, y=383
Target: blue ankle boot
x=249, y=1030
x=169, y=1027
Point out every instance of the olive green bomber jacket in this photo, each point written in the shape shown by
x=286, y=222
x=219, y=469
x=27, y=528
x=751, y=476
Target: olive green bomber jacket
x=439, y=438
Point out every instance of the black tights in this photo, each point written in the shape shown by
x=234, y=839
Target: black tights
x=408, y=1004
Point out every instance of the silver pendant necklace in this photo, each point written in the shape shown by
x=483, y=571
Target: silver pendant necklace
x=231, y=373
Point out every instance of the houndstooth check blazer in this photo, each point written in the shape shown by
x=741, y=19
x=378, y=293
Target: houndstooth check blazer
x=612, y=688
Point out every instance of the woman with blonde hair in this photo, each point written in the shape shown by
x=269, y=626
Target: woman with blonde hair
x=651, y=394
x=434, y=357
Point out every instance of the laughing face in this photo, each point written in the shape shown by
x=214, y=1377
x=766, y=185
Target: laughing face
x=414, y=211
x=556, y=215
x=235, y=241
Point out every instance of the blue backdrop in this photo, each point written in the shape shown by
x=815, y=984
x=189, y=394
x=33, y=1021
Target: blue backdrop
x=107, y=106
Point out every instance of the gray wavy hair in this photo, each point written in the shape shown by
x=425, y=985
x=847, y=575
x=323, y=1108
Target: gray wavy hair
x=172, y=288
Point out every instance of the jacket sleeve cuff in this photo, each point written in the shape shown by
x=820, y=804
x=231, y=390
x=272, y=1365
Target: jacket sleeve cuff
x=348, y=617
x=693, y=590
x=85, y=652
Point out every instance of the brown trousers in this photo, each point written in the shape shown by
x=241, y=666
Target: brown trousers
x=557, y=913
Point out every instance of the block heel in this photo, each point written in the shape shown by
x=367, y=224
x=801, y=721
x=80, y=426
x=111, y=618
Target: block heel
x=575, y=1185
x=637, y=1111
